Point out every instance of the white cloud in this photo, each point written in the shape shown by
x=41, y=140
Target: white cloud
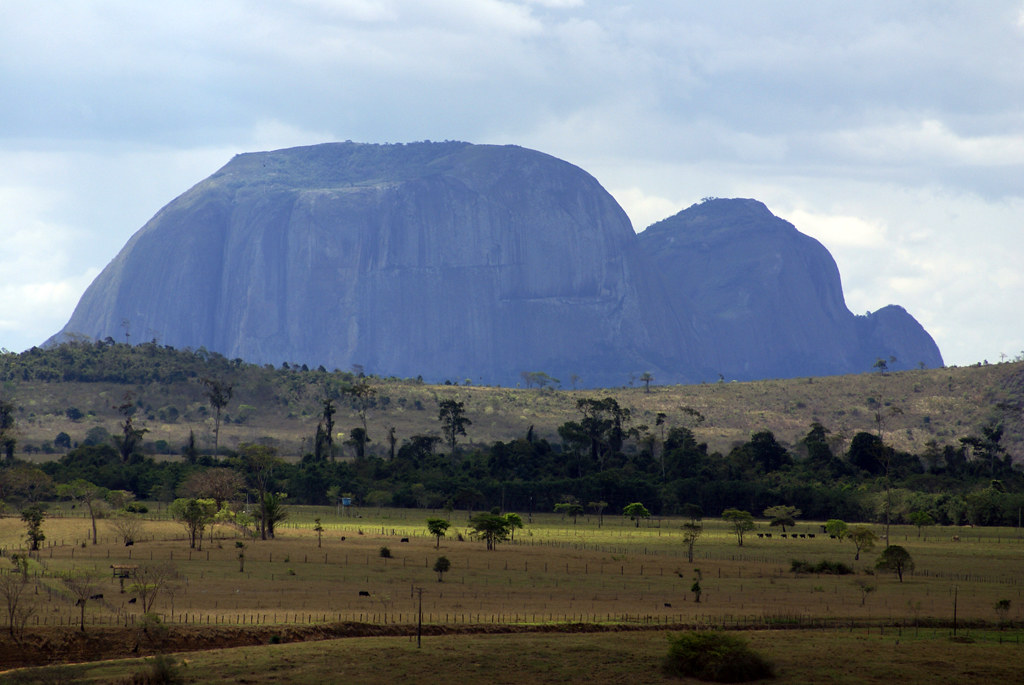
x=642, y=209
x=848, y=231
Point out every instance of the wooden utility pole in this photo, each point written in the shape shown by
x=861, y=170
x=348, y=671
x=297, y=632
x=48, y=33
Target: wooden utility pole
x=419, y=622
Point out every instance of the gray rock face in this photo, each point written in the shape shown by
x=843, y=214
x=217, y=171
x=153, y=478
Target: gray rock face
x=453, y=261
x=767, y=301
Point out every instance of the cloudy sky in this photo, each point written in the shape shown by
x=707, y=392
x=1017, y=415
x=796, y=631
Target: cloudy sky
x=893, y=132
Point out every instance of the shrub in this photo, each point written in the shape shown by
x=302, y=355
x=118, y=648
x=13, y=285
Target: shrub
x=716, y=657
x=385, y=552
x=161, y=670
x=834, y=568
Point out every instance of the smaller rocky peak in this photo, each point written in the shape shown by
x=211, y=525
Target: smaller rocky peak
x=719, y=220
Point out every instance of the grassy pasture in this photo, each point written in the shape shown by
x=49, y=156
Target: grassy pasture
x=554, y=571
x=830, y=656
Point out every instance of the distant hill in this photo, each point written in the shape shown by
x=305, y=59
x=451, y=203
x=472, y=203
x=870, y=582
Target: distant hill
x=459, y=261
x=283, y=405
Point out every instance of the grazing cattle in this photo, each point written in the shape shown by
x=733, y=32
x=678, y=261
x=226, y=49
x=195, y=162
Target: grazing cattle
x=834, y=537
x=802, y=535
x=956, y=538
x=96, y=597
x=782, y=534
x=767, y=535
x=760, y=535
x=132, y=600
x=343, y=538
x=810, y=535
x=405, y=539
x=667, y=605
x=129, y=543
x=364, y=593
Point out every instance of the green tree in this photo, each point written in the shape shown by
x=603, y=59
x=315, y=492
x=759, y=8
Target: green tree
x=319, y=529
x=921, y=519
x=441, y=567
x=260, y=463
x=274, y=511
x=782, y=515
x=362, y=395
x=1002, y=608
x=195, y=515
x=636, y=511
x=895, y=558
x=646, y=378
x=357, y=439
x=438, y=528
x=492, y=527
x=7, y=439
x=515, y=522
x=741, y=521
x=572, y=509
x=324, y=445
x=87, y=494
x=33, y=516
x=691, y=533
x=219, y=394
x=836, y=528
x=453, y=422
x=692, y=511
x=130, y=439
x=863, y=539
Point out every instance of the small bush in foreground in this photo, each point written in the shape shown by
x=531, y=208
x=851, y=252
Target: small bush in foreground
x=716, y=657
x=161, y=670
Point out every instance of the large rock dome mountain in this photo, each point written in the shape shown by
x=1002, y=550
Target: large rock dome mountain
x=453, y=261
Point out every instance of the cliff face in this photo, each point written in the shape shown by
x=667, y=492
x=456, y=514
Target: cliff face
x=767, y=301
x=453, y=261
x=447, y=260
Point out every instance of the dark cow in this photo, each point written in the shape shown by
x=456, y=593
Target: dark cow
x=96, y=597
x=405, y=539
x=364, y=593
x=132, y=600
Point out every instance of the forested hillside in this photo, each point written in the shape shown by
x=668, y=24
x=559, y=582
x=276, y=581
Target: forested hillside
x=163, y=423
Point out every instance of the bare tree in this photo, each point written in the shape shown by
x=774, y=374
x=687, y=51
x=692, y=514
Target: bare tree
x=83, y=588
x=151, y=580
x=88, y=494
x=12, y=590
x=128, y=527
x=219, y=484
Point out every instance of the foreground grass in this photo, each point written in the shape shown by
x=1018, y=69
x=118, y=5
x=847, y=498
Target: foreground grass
x=838, y=657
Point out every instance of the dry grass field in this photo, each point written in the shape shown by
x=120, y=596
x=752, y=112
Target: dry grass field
x=935, y=404
x=554, y=573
